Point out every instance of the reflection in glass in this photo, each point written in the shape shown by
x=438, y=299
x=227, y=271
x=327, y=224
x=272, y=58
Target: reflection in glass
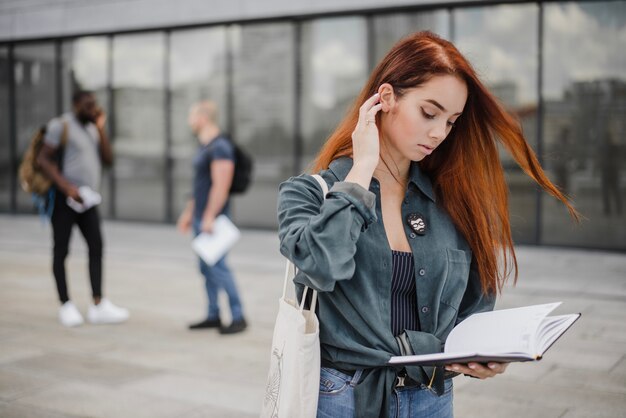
x=197, y=72
x=35, y=104
x=5, y=148
x=84, y=64
x=585, y=121
x=334, y=69
x=263, y=101
x=139, y=126
x=388, y=29
x=501, y=43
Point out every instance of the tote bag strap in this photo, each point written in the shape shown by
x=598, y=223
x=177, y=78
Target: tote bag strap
x=290, y=268
x=322, y=184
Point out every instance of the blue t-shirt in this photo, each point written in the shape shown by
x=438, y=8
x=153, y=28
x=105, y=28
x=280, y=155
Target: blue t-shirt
x=218, y=149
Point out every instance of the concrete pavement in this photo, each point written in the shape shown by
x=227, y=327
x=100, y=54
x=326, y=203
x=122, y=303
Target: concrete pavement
x=153, y=366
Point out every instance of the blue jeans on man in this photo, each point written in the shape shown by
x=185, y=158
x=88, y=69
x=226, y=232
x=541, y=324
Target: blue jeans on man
x=218, y=277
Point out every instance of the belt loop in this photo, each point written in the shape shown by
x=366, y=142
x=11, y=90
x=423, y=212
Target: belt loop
x=356, y=377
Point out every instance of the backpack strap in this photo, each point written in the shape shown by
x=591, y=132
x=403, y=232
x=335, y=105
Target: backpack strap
x=62, y=144
x=64, y=135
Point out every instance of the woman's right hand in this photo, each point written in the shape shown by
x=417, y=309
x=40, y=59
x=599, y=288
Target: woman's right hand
x=365, y=143
x=365, y=138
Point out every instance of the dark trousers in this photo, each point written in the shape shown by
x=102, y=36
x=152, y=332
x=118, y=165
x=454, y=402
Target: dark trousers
x=63, y=220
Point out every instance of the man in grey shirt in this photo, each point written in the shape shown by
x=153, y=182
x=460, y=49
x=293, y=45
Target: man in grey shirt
x=79, y=139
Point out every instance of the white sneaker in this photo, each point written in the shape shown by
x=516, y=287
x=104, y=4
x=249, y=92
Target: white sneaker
x=69, y=315
x=106, y=313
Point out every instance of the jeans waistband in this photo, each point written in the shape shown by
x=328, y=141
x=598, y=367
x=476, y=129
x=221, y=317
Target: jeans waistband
x=402, y=378
x=355, y=374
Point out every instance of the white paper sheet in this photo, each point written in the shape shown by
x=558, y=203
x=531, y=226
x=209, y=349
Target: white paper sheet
x=212, y=247
x=90, y=199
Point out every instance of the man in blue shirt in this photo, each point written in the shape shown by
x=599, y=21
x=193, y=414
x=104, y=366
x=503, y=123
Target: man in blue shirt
x=213, y=166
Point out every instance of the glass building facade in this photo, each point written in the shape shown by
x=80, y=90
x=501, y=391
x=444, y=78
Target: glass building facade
x=282, y=85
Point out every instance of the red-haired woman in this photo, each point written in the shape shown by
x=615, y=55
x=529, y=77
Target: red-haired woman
x=414, y=234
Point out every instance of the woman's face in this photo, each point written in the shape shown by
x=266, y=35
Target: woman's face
x=416, y=123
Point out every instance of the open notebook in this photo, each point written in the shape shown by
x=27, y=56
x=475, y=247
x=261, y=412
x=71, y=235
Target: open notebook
x=519, y=334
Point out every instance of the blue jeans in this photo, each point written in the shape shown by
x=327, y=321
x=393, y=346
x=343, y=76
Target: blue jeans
x=421, y=402
x=336, y=398
x=216, y=277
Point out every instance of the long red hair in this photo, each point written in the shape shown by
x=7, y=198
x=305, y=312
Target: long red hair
x=465, y=170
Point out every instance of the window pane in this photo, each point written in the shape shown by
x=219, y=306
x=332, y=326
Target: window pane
x=139, y=123
x=263, y=99
x=84, y=64
x=197, y=72
x=501, y=43
x=388, y=29
x=35, y=101
x=5, y=148
x=334, y=70
x=585, y=121
x=84, y=67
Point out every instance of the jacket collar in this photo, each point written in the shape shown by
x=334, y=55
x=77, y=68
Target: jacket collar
x=342, y=166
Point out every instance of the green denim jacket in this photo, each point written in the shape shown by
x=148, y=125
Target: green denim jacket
x=341, y=249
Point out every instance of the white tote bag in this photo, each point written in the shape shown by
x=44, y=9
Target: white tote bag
x=292, y=387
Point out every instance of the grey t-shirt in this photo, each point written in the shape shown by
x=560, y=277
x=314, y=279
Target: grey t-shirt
x=81, y=157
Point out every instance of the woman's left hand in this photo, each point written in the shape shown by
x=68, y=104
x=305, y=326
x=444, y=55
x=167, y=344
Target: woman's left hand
x=478, y=370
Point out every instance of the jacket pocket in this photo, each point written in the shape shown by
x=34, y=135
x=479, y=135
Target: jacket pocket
x=457, y=273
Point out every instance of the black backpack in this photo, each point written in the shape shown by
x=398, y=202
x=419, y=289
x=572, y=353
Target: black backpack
x=243, y=169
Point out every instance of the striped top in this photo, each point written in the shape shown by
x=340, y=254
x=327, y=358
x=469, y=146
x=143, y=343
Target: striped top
x=403, y=294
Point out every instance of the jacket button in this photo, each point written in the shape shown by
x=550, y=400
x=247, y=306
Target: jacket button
x=412, y=235
x=422, y=272
x=425, y=309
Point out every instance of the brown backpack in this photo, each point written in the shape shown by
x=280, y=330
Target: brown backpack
x=32, y=177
